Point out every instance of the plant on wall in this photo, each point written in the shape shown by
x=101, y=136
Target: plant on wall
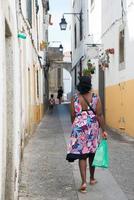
x=89, y=70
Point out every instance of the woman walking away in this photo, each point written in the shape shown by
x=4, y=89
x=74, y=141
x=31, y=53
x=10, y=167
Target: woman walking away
x=87, y=118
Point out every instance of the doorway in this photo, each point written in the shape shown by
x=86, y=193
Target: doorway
x=102, y=88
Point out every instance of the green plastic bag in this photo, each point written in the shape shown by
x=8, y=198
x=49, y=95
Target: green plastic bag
x=101, y=158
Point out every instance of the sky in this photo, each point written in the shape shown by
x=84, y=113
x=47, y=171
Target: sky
x=57, y=8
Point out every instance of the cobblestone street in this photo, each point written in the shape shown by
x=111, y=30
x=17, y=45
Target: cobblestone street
x=46, y=175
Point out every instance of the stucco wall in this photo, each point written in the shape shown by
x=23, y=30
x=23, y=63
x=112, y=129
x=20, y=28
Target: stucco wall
x=119, y=83
x=21, y=106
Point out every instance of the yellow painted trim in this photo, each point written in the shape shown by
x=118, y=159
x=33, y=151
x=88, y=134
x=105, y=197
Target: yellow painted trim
x=119, y=105
x=39, y=112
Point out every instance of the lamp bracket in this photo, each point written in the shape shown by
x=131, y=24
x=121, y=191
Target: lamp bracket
x=93, y=45
x=75, y=14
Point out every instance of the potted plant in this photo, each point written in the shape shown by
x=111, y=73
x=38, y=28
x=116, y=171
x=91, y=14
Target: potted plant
x=89, y=70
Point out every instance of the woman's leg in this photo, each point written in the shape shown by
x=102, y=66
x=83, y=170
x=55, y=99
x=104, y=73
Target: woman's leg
x=83, y=167
x=91, y=168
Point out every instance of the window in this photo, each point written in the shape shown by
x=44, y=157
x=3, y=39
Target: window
x=81, y=28
x=121, y=46
x=75, y=36
x=121, y=49
x=29, y=11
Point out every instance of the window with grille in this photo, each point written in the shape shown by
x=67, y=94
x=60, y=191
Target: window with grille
x=121, y=46
x=121, y=49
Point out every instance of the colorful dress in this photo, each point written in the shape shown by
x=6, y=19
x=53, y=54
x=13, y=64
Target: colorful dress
x=84, y=138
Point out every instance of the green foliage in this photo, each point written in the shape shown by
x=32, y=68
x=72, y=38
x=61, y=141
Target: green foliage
x=88, y=71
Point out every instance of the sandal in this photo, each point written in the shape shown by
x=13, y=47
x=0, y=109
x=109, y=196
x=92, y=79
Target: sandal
x=83, y=188
x=93, y=181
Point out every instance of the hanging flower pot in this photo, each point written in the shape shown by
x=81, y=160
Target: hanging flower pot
x=90, y=69
x=86, y=72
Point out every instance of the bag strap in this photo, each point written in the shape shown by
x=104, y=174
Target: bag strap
x=88, y=104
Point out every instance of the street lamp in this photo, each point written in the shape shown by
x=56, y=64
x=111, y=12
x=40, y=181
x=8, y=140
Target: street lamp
x=63, y=23
x=60, y=47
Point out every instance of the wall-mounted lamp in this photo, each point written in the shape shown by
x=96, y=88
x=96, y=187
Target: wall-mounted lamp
x=63, y=23
x=60, y=47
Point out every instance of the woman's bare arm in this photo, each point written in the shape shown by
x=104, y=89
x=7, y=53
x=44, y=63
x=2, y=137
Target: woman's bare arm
x=72, y=110
x=100, y=117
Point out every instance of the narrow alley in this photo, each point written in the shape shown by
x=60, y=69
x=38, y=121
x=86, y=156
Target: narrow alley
x=50, y=50
x=46, y=175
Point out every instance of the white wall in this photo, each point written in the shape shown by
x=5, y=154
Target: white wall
x=112, y=25
x=79, y=52
x=105, y=23
x=10, y=101
x=17, y=56
x=94, y=37
x=2, y=109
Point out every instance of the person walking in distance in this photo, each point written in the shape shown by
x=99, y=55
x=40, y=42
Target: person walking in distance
x=51, y=103
x=60, y=94
x=87, y=118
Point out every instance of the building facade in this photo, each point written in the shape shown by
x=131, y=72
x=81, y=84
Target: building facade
x=112, y=36
x=55, y=71
x=21, y=83
x=118, y=34
x=81, y=38
x=78, y=34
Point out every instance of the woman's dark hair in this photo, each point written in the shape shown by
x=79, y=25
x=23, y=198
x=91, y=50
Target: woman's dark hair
x=84, y=85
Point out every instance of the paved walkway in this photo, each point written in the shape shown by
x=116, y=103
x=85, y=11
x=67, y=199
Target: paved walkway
x=46, y=175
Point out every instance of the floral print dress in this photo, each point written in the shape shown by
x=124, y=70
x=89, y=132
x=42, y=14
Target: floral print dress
x=84, y=138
